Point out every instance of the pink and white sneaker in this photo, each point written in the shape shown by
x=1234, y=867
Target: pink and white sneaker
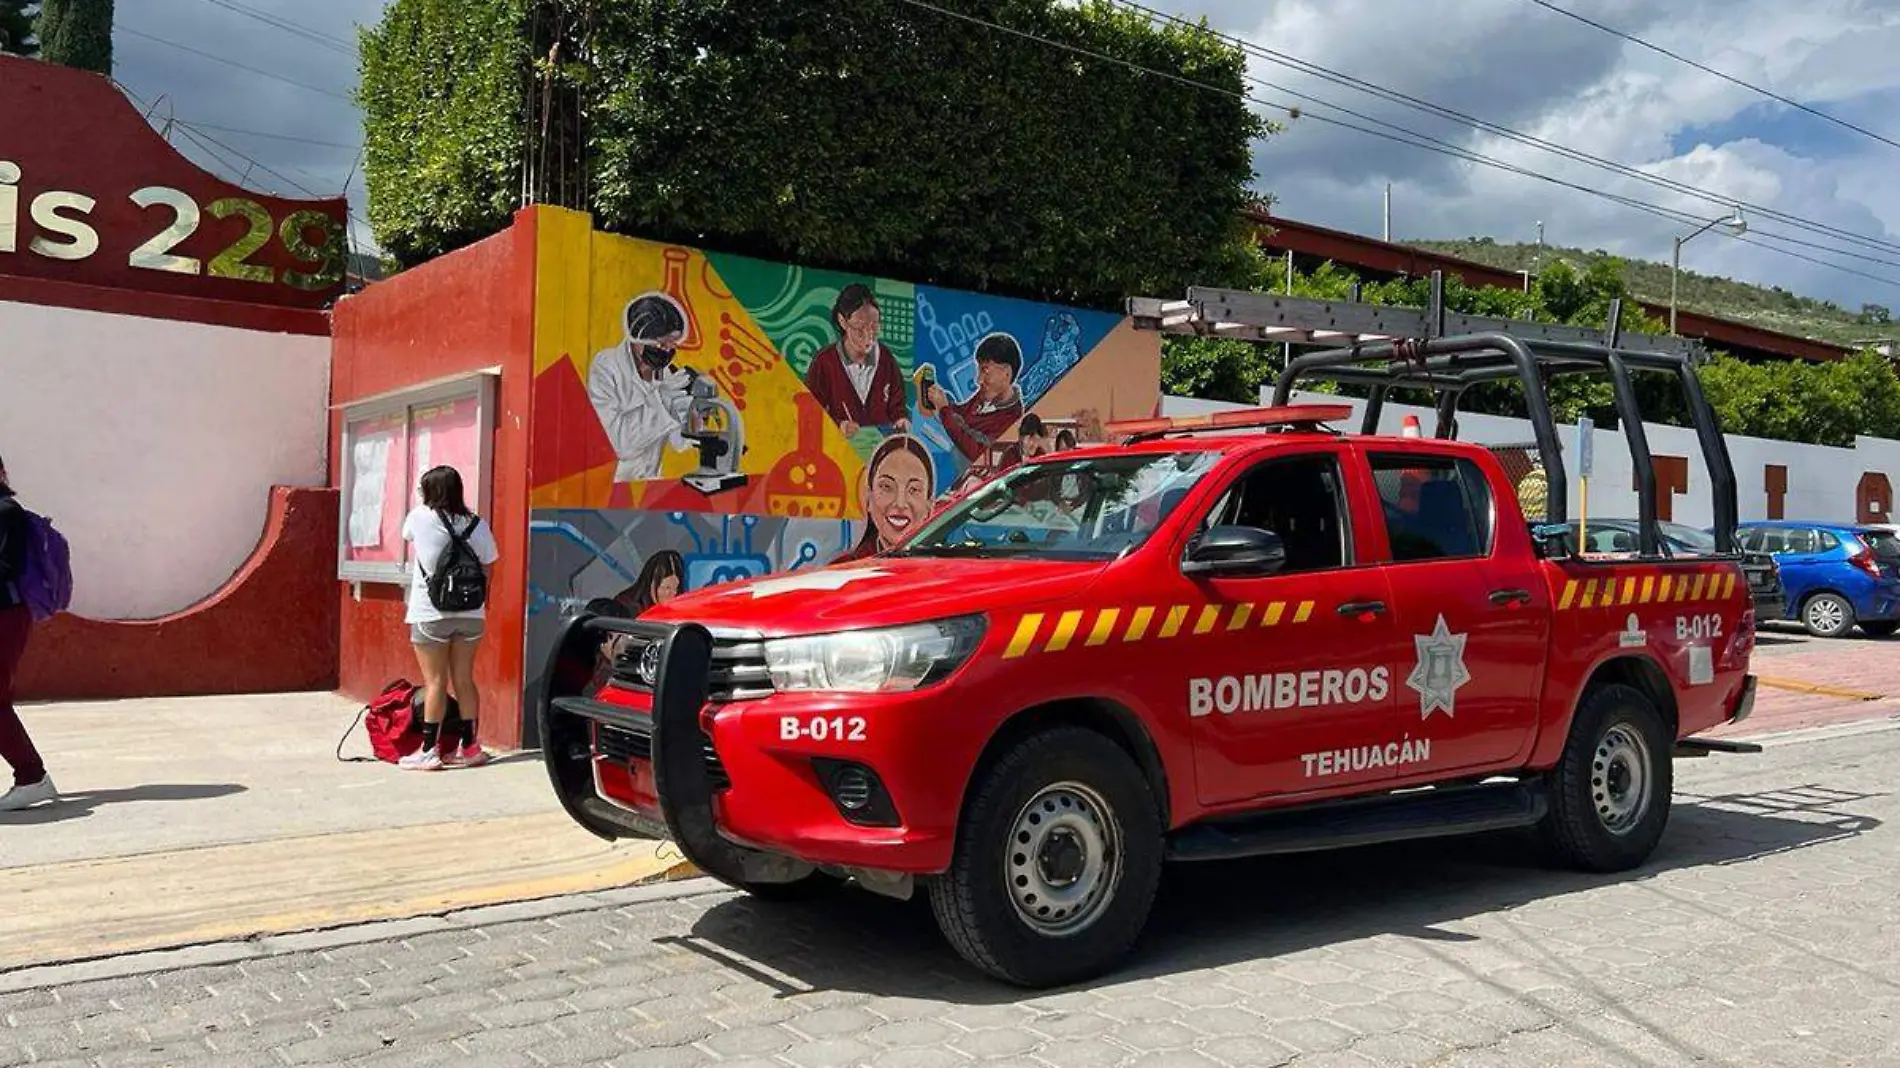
x=421, y=760
x=473, y=756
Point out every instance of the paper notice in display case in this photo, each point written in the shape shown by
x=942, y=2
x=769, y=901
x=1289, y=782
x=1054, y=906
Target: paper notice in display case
x=369, y=459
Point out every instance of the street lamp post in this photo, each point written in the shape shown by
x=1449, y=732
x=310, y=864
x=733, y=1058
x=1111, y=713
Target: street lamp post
x=1733, y=223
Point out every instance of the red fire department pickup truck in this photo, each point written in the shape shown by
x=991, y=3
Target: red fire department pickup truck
x=1211, y=640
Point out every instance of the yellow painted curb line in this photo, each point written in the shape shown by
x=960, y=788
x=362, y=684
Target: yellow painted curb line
x=90, y=908
x=1811, y=687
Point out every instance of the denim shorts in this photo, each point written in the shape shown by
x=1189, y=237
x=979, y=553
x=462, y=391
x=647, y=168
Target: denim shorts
x=444, y=631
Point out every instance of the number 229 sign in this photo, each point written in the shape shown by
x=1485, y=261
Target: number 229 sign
x=92, y=195
x=316, y=245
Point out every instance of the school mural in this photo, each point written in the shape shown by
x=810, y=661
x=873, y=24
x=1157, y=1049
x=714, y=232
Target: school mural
x=701, y=417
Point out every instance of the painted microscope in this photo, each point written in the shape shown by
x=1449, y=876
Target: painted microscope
x=715, y=426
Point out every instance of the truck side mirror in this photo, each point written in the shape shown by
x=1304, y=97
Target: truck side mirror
x=1235, y=550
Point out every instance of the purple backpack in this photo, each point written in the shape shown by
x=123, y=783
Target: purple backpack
x=45, y=582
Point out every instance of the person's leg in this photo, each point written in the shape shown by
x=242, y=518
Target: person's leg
x=432, y=657
x=31, y=784
x=467, y=696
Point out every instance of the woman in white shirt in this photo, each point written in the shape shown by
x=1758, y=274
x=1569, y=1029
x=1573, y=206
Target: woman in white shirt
x=445, y=641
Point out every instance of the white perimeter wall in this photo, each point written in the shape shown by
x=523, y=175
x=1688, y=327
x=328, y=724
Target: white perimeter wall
x=153, y=445
x=1821, y=481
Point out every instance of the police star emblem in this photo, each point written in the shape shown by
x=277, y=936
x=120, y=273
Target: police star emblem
x=1440, y=670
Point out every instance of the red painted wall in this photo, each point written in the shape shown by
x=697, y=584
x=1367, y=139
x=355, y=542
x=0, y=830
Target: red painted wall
x=469, y=310
x=271, y=629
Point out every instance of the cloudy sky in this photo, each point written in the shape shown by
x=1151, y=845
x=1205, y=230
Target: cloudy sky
x=1511, y=63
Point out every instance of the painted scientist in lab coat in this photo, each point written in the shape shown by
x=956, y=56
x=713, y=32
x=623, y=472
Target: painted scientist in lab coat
x=640, y=397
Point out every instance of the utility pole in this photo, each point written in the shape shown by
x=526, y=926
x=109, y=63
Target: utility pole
x=1540, y=233
x=1388, y=212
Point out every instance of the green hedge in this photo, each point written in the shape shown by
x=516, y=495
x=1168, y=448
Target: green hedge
x=869, y=135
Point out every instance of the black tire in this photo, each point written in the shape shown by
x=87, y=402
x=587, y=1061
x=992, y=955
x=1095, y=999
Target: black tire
x=1827, y=615
x=1590, y=826
x=1066, y=772
x=1881, y=629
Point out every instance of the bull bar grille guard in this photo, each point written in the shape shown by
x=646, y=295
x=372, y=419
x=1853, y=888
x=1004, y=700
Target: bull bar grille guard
x=686, y=774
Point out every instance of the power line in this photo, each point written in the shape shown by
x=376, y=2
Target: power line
x=1770, y=94
x=1419, y=104
x=335, y=44
x=1408, y=137
x=234, y=63
x=273, y=136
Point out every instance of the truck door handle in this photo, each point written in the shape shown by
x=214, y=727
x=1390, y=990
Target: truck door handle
x=1510, y=596
x=1362, y=608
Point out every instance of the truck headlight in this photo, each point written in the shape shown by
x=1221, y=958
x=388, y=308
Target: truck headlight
x=887, y=660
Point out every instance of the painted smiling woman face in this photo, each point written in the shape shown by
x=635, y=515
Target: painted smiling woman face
x=900, y=496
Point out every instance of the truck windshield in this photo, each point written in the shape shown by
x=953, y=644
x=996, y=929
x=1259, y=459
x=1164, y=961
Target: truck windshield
x=1086, y=508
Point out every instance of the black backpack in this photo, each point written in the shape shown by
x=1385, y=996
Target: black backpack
x=460, y=584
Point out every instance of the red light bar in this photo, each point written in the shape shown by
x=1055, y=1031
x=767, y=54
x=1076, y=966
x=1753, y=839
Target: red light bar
x=1292, y=413
x=1125, y=427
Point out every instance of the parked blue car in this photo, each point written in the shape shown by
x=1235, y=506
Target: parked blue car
x=1836, y=575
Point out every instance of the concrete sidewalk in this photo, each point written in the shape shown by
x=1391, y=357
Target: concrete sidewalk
x=205, y=819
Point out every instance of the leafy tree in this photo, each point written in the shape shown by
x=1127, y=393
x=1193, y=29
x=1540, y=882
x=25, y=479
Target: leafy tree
x=867, y=135
x=441, y=91
x=16, y=27
x=1875, y=314
x=1819, y=403
x=77, y=33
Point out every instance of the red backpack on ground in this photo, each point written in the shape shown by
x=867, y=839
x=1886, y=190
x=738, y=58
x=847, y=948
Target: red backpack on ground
x=394, y=721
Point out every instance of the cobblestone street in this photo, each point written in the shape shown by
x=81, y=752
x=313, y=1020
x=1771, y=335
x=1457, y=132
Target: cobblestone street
x=1766, y=932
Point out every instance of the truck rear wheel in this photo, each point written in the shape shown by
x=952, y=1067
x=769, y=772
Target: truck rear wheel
x=1057, y=861
x=1610, y=793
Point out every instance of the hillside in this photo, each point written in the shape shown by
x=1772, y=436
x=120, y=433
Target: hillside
x=1769, y=308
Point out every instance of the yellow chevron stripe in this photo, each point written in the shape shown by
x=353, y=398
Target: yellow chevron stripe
x=1138, y=626
x=1649, y=587
x=1104, y=626
x=1274, y=612
x=1306, y=609
x=1728, y=586
x=1570, y=594
x=1172, y=625
x=1662, y=588
x=1700, y=578
x=1210, y=615
x=1024, y=637
x=1242, y=613
x=1629, y=590
x=1589, y=593
x=1065, y=631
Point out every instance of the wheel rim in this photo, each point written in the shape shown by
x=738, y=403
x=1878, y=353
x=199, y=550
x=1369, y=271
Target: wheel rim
x=1826, y=614
x=1620, y=779
x=1064, y=859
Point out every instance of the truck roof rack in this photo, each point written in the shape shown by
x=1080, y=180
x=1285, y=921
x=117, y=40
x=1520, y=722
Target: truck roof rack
x=1308, y=418
x=1383, y=349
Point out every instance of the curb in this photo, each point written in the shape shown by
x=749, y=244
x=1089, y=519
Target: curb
x=678, y=882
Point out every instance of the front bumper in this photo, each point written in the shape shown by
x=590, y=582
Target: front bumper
x=740, y=800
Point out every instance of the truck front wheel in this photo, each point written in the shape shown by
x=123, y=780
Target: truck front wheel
x=1610, y=794
x=1057, y=861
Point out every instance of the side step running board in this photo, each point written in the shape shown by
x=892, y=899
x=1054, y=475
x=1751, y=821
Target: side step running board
x=1431, y=813
x=1701, y=747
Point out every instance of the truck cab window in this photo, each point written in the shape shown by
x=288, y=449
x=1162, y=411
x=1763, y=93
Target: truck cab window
x=1436, y=507
x=1298, y=498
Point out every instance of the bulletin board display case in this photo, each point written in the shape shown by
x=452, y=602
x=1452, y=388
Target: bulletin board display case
x=388, y=442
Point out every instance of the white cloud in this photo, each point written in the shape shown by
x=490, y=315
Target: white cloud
x=1517, y=64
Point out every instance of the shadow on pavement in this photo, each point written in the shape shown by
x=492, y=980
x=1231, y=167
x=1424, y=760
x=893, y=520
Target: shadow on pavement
x=1214, y=914
x=79, y=804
